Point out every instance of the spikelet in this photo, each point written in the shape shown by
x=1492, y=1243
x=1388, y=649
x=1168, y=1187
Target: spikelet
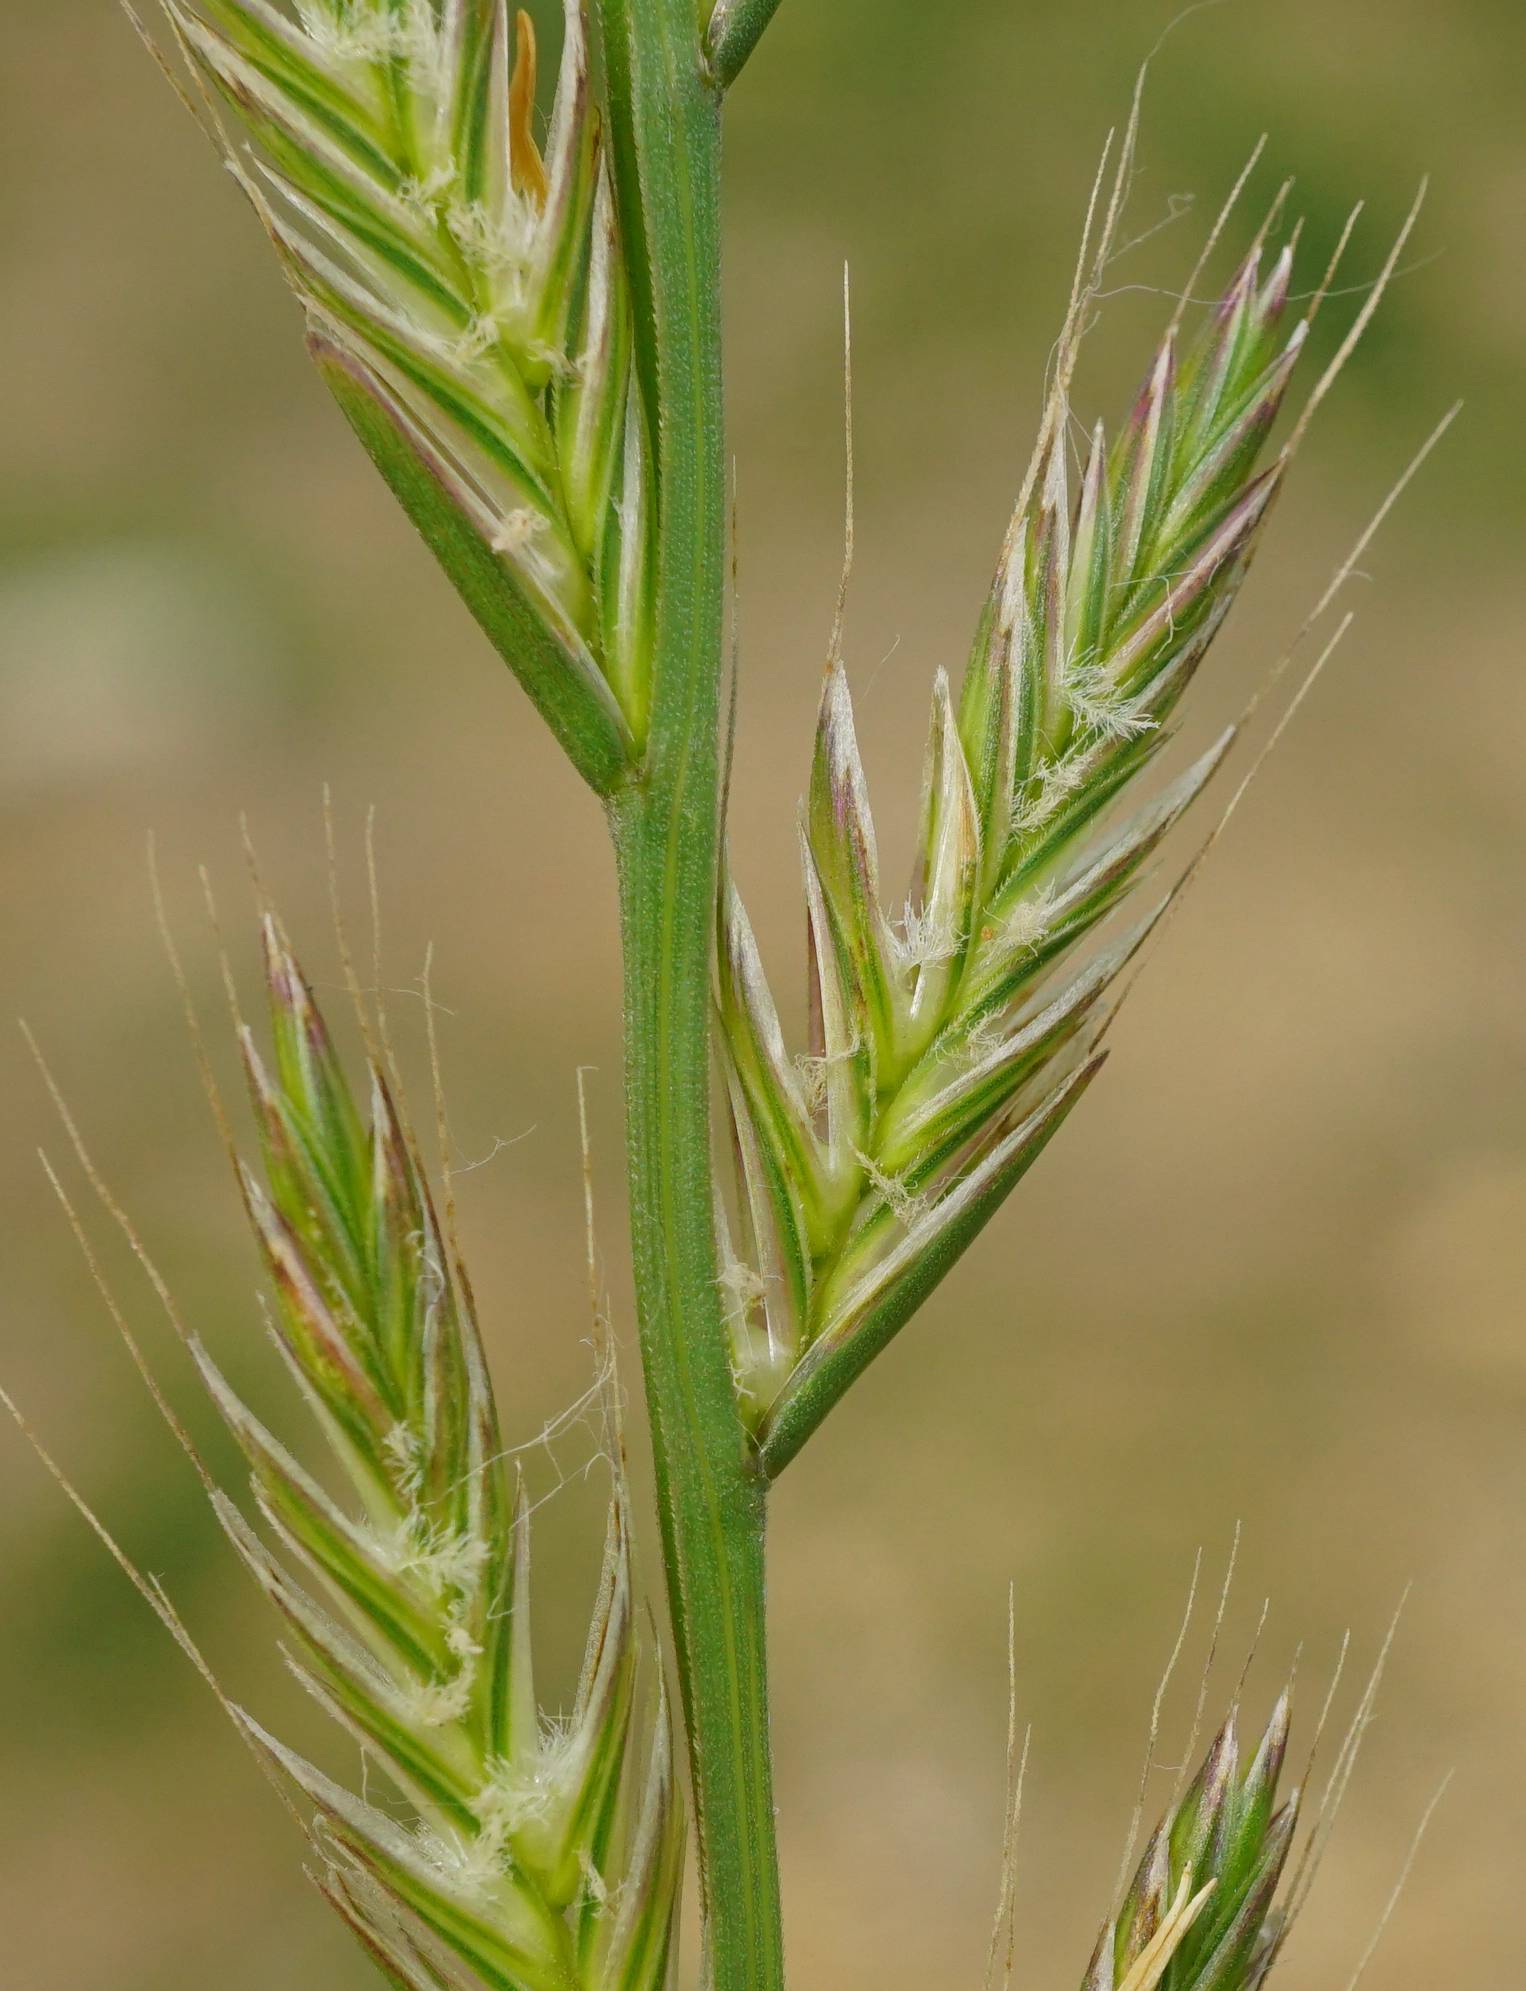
x=468, y=306
x=1200, y=1913
x=538, y=1854
x=953, y=1036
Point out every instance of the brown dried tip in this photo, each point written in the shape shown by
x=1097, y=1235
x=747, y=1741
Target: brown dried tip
x=526, y=167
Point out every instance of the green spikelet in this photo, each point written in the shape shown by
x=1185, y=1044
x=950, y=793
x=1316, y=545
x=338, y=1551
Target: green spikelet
x=469, y=309
x=954, y=1033
x=539, y=1855
x=1200, y=1913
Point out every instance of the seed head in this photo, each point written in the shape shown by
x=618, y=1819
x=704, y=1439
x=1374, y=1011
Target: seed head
x=1199, y=1914
x=468, y=305
x=539, y=1853
x=954, y=1037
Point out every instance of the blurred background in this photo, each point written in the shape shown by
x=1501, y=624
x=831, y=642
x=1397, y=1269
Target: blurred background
x=1271, y=1275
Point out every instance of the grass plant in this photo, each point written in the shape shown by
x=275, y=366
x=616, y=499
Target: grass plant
x=524, y=333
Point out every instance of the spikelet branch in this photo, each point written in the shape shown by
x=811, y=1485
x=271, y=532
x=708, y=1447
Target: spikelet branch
x=543, y=1854
x=951, y=1038
x=469, y=306
x=1201, y=1913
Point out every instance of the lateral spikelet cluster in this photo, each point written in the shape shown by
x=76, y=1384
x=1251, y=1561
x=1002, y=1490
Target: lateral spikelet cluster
x=953, y=1032
x=536, y=1854
x=1200, y=1913
x=469, y=308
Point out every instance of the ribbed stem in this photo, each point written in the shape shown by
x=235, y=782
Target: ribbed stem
x=664, y=127
x=710, y=1490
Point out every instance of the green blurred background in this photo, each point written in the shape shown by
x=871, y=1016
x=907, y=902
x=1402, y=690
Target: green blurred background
x=1274, y=1271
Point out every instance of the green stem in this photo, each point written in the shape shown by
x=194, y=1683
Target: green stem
x=664, y=116
x=736, y=27
x=710, y=1490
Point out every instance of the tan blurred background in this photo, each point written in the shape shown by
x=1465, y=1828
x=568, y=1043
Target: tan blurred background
x=1274, y=1271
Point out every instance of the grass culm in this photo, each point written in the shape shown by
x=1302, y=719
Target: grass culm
x=519, y=316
